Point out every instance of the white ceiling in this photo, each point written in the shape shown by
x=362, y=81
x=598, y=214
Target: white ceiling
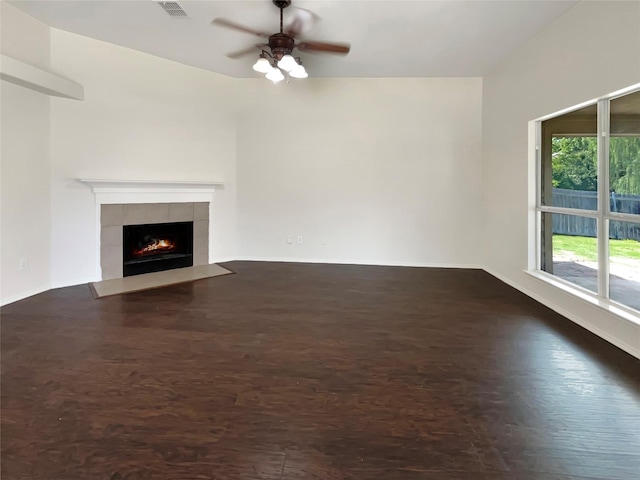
x=419, y=38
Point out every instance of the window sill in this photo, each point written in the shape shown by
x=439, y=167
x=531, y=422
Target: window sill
x=607, y=305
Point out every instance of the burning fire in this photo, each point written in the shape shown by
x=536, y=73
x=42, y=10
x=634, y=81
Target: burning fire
x=157, y=246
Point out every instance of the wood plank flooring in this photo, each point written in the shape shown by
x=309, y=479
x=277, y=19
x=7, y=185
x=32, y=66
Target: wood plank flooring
x=298, y=371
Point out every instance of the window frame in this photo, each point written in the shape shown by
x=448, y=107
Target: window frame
x=603, y=215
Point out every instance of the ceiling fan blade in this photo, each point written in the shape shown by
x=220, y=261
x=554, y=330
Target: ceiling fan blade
x=236, y=26
x=246, y=51
x=302, y=22
x=310, y=46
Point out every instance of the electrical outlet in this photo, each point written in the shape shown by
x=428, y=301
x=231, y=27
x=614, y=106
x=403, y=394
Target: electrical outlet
x=23, y=264
x=299, y=240
x=289, y=239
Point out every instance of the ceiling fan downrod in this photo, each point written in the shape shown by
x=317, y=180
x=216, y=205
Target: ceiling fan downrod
x=280, y=44
x=281, y=4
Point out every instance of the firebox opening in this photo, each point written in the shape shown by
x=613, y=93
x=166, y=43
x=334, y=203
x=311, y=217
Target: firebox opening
x=156, y=247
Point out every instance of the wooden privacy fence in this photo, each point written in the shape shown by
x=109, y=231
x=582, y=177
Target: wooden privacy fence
x=586, y=227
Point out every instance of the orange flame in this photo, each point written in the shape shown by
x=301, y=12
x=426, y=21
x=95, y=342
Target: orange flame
x=158, y=246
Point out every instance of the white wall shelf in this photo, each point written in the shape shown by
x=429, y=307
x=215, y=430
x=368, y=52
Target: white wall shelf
x=35, y=78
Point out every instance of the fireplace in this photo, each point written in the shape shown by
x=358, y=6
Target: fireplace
x=155, y=247
x=115, y=216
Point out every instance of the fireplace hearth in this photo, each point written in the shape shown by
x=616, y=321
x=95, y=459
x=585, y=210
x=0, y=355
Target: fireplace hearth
x=156, y=247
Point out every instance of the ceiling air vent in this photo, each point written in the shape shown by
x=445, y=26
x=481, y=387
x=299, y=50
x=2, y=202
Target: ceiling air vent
x=173, y=9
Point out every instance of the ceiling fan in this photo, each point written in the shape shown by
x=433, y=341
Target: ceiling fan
x=279, y=57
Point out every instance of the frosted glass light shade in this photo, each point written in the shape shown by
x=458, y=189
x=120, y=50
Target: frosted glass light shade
x=262, y=65
x=287, y=63
x=298, y=72
x=275, y=75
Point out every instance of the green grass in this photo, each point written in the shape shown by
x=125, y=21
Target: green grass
x=586, y=247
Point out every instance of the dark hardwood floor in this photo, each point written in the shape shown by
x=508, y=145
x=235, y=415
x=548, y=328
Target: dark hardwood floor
x=296, y=371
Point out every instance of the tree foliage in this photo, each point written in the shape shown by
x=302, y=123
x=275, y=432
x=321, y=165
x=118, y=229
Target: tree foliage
x=575, y=164
x=624, y=165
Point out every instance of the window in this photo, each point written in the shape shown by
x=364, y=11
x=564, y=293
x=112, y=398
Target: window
x=588, y=198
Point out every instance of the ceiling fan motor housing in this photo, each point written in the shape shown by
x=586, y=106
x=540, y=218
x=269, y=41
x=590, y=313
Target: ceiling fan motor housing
x=281, y=44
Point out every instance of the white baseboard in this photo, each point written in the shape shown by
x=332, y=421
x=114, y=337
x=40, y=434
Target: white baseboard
x=618, y=342
x=356, y=262
x=23, y=295
x=75, y=283
x=223, y=260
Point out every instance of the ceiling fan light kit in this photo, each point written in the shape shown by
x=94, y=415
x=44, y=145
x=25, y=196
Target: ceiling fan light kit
x=287, y=63
x=275, y=75
x=273, y=69
x=262, y=65
x=279, y=59
x=298, y=72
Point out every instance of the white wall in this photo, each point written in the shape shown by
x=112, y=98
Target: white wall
x=145, y=118
x=25, y=223
x=377, y=171
x=592, y=50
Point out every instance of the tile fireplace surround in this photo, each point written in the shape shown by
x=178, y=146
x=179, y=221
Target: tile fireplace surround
x=114, y=217
x=134, y=202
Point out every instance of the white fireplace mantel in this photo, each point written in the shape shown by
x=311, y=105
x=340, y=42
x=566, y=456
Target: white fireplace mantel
x=146, y=191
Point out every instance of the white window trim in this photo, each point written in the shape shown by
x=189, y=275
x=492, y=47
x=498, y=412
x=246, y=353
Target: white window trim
x=603, y=215
x=587, y=296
